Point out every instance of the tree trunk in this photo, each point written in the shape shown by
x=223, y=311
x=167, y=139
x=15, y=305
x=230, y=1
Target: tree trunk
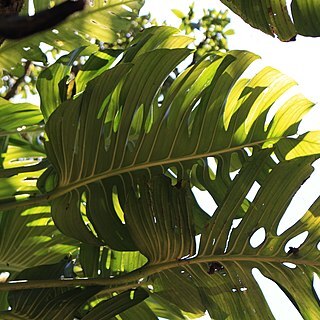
x=10, y=7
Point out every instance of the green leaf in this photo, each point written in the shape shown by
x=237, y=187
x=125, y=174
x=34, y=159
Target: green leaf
x=139, y=311
x=170, y=219
x=52, y=83
x=117, y=304
x=178, y=13
x=206, y=112
x=270, y=17
x=125, y=157
x=306, y=15
x=29, y=237
x=273, y=17
x=14, y=116
x=89, y=260
x=219, y=277
x=97, y=63
x=99, y=20
x=46, y=303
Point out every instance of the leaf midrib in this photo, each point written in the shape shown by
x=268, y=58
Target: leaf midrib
x=146, y=271
x=107, y=174
x=59, y=191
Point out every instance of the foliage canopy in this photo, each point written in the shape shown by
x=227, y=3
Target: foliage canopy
x=97, y=211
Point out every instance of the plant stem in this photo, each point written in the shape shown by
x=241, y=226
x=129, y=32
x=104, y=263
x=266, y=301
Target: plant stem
x=12, y=92
x=13, y=171
x=27, y=130
x=136, y=277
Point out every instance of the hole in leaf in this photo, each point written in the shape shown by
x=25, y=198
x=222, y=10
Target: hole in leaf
x=316, y=286
x=318, y=246
x=279, y=303
x=172, y=173
x=290, y=265
x=249, y=151
x=205, y=201
x=125, y=7
x=31, y=9
x=296, y=242
x=233, y=174
x=288, y=4
x=253, y=191
x=206, y=316
x=302, y=201
x=197, y=240
x=4, y=276
x=84, y=216
x=243, y=289
x=258, y=237
x=212, y=163
x=235, y=224
x=274, y=158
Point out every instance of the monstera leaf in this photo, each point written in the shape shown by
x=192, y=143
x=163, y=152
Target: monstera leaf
x=276, y=19
x=99, y=20
x=124, y=155
x=29, y=237
x=102, y=139
x=218, y=277
x=60, y=303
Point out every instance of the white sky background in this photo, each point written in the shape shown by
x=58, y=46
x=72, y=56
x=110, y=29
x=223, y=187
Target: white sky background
x=300, y=60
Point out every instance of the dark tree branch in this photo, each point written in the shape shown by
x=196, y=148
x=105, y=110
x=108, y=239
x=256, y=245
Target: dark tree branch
x=16, y=27
x=9, y=7
x=12, y=91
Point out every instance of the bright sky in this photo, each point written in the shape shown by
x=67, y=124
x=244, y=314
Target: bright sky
x=298, y=59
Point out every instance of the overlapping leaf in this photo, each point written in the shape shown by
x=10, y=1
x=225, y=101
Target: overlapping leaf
x=61, y=303
x=110, y=146
x=273, y=17
x=29, y=237
x=21, y=152
x=219, y=277
x=99, y=20
x=14, y=116
x=101, y=140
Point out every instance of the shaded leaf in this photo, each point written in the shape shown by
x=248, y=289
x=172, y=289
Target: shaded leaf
x=274, y=18
x=103, y=139
x=117, y=304
x=98, y=20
